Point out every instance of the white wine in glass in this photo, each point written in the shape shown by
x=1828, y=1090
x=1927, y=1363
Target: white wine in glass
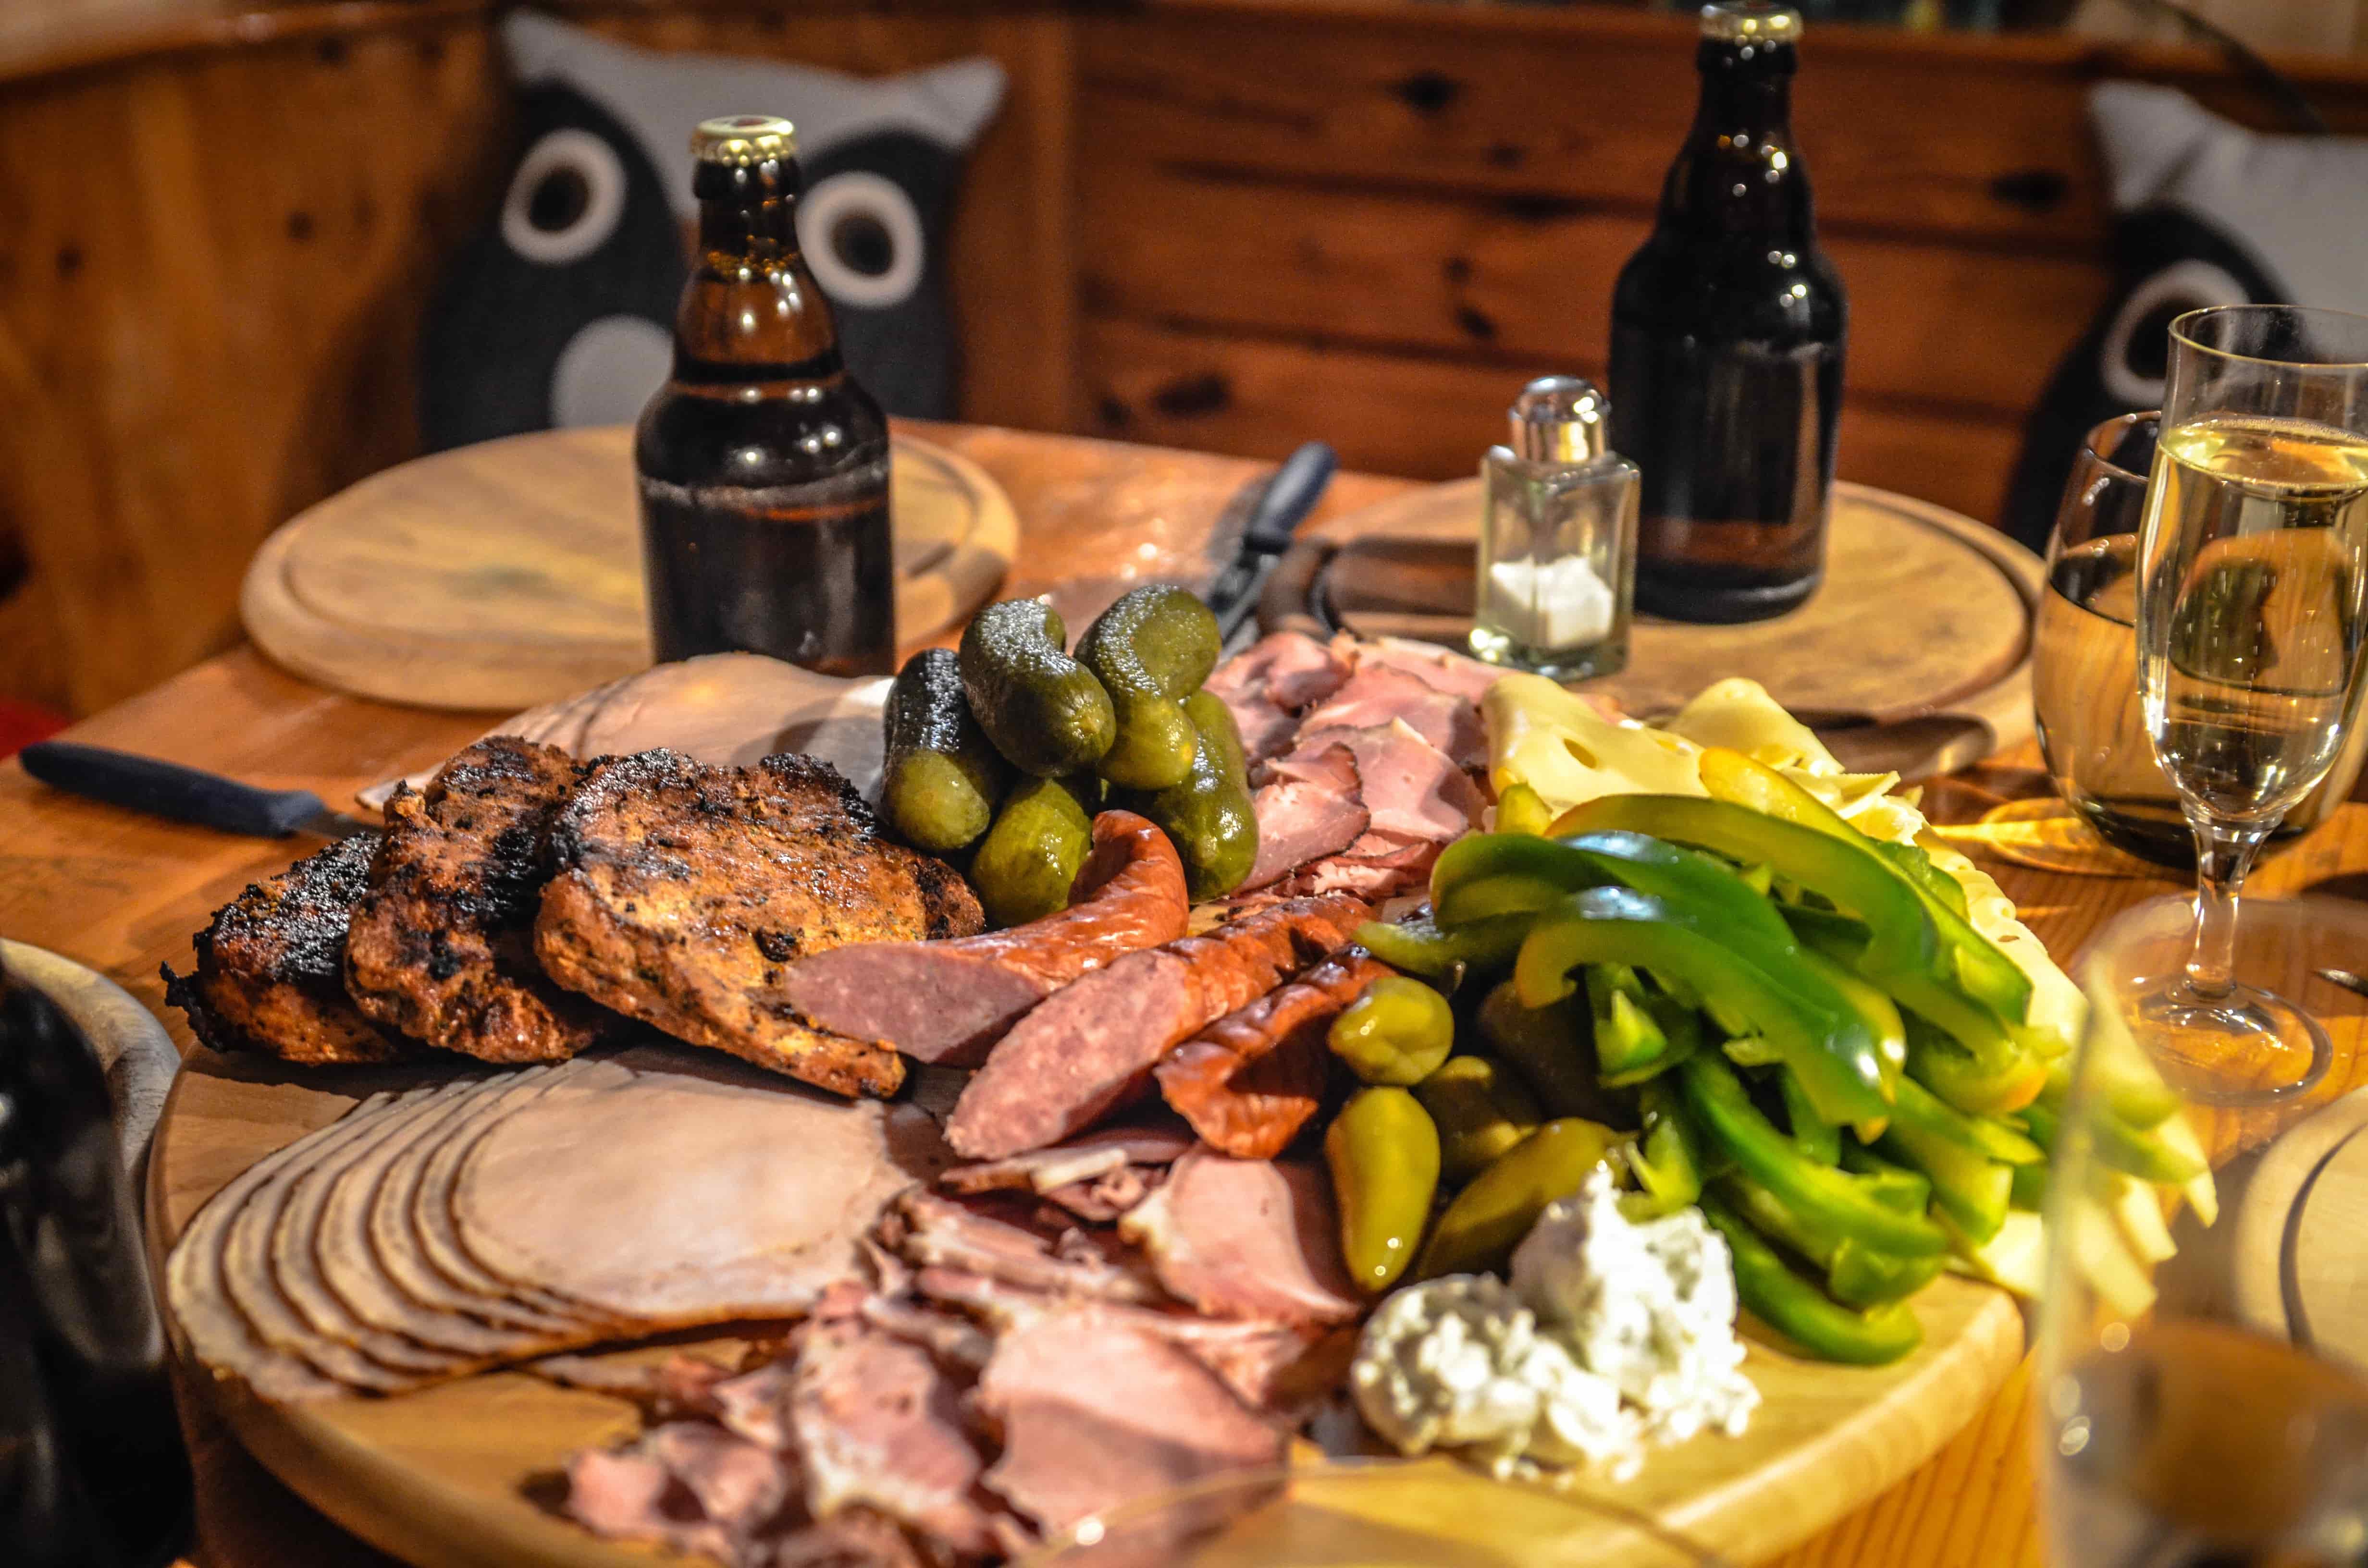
x=2252, y=601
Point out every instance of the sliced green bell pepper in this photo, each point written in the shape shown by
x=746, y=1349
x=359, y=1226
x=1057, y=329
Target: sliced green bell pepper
x=1832, y=1199
x=1520, y=809
x=1859, y=1276
x=2118, y=1146
x=2029, y=1189
x=1638, y=1035
x=1820, y=1140
x=1493, y=873
x=1894, y=1186
x=1822, y=1039
x=1800, y=1311
x=1668, y=1159
x=1969, y=1188
x=1418, y=947
x=1993, y=1074
x=1918, y=1108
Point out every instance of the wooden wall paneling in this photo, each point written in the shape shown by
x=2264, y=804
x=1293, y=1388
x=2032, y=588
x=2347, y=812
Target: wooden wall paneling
x=1431, y=417
x=214, y=263
x=1011, y=247
x=1453, y=273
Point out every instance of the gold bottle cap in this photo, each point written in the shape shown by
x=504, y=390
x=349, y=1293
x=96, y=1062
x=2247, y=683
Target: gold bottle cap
x=743, y=139
x=1741, y=21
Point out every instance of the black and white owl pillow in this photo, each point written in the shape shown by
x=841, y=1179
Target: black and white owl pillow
x=2206, y=213
x=560, y=313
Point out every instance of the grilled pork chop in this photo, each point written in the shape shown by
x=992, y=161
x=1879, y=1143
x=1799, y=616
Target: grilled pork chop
x=442, y=946
x=270, y=973
x=681, y=891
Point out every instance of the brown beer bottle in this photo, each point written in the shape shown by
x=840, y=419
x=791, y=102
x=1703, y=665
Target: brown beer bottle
x=763, y=466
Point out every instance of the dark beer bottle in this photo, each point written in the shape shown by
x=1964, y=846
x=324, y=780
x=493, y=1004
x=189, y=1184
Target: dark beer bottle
x=1727, y=346
x=763, y=465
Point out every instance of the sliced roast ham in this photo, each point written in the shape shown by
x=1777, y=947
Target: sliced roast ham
x=1412, y=788
x=1443, y=669
x=1267, y=685
x=879, y=1425
x=935, y=1233
x=687, y=1484
x=1247, y=1239
x=1083, y=1158
x=1308, y=808
x=1377, y=694
x=1090, y=1049
x=947, y=1001
x=1096, y=1413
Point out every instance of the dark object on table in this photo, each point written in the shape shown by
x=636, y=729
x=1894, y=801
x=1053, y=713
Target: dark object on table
x=92, y=1470
x=1277, y=504
x=184, y=794
x=1727, y=332
x=763, y=465
x=2205, y=212
x=556, y=313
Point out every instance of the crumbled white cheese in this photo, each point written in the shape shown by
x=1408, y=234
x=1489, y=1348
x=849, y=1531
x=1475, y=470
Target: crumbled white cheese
x=1459, y=1363
x=1611, y=1336
x=1650, y=1306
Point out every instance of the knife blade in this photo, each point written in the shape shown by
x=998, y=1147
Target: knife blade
x=1282, y=501
x=167, y=789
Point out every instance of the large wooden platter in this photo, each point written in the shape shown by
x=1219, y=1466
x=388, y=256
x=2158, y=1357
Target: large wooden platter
x=466, y=1475
x=1926, y=693
x=508, y=574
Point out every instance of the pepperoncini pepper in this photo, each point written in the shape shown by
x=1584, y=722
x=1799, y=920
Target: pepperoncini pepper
x=1383, y=1154
x=1397, y=1032
x=1489, y=1218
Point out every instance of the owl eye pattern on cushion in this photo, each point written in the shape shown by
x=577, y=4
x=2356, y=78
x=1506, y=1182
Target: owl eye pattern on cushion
x=862, y=236
x=2134, y=357
x=566, y=200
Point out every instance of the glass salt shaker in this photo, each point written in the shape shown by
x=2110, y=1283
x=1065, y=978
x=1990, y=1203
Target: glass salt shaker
x=1557, y=566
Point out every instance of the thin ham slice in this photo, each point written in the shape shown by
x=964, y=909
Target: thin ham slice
x=877, y=1424
x=1267, y=685
x=1412, y=789
x=1378, y=693
x=938, y=1233
x=686, y=1484
x=1096, y=1413
x=1083, y=1158
x=1443, y=669
x=1308, y=808
x=1247, y=1239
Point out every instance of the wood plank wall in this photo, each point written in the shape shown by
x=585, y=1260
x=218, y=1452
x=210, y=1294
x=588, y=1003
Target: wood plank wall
x=1372, y=223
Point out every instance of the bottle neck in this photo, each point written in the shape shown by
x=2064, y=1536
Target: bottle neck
x=1739, y=174
x=751, y=311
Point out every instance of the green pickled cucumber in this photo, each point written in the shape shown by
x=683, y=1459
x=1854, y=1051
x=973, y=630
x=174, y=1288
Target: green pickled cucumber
x=943, y=778
x=1151, y=650
x=1045, y=711
x=1208, y=816
x=1029, y=859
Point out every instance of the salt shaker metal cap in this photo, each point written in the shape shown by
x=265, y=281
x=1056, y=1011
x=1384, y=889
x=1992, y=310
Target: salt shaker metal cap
x=1559, y=419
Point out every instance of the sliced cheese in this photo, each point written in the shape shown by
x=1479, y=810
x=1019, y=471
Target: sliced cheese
x=1541, y=735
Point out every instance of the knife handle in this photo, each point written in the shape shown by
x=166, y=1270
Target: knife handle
x=169, y=790
x=1289, y=494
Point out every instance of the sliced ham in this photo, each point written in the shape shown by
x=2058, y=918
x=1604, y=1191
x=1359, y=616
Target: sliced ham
x=1267, y=685
x=1096, y=1413
x=1082, y=1158
x=877, y=1424
x=1247, y=1239
x=1251, y=1080
x=1090, y=1049
x=1412, y=788
x=688, y=1485
x=944, y=1234
x=1443, y=669
x=1305, y=812
x=947, y=1001
x=1377, y=694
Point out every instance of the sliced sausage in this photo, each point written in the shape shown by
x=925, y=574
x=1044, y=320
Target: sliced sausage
x=1091, y=1048
x=1250, y=1081
x=948, y=1002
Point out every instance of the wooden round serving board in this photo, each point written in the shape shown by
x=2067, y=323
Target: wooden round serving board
x=1915, y=651
x=466, y=1475
x=508, y=574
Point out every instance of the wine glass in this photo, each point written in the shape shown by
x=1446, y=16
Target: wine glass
x=1427, y=1513
x=2202, y=1377
x=2252, y=614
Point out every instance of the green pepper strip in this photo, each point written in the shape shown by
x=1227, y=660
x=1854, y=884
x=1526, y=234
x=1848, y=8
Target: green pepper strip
x=1419, y=946
x=1861, y=1277
x=1832, y=1199
x=1668, y=1161
x=1818, y=1141
x=1968, y=1186
x=1829, y=1046
x=1797, y=1309
x=1489, y=873
x=2118, y=1144
x=1981, y=1079
x=1917, y=1108
x=2029, y=1189
x=1894, y=1186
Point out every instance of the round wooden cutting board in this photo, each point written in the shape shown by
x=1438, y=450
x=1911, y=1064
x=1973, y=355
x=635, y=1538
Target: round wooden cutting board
x=508, y=574
x=469, y=1474
x=1915, y=651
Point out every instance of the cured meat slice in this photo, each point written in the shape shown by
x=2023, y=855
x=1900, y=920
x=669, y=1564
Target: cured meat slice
x=1251, y=1080
x=1377, y=694
x=271, y=966
x=439, y=944
x=1266, y=685
x=1413, y=789
x=943, y=1234
x=1308, y=808
x=948, y=1002
x=1090, y=1048
x=1096, y=1413
x=877, y=1424
x=695, y=1194
x=684, y=891
x=1247, y=1239
x=686, y=1484
x=1082, y=1158
x=1443, y=669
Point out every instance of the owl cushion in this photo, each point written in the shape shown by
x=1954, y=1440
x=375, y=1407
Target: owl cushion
x=2206, y=213
x=560, y=313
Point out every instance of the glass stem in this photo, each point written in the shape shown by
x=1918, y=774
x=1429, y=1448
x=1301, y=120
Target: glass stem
x=2223, y=855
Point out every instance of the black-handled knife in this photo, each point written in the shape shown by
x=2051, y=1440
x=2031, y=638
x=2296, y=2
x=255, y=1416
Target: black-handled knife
x=184, y=794
x=1285, y=497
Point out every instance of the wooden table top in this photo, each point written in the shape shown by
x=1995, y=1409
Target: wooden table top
x=122, y=893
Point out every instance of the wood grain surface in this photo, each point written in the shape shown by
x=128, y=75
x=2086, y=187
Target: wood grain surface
x=122, y=893
x=509, y=574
